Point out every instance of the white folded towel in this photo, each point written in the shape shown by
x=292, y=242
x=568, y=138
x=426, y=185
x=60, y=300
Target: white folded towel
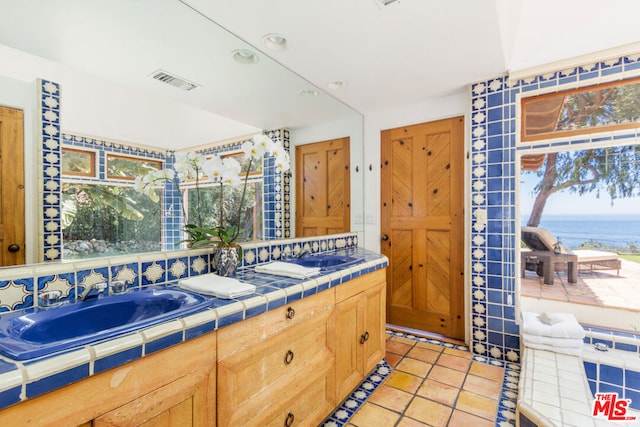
x=553, y=342
x=562, y=350
x=288, y=269
x=555, y=325
x=218, y=286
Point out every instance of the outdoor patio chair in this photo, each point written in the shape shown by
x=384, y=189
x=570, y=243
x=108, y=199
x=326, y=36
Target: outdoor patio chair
x=540, y=239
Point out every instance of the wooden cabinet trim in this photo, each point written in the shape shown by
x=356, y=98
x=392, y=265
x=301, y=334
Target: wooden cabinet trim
x=359, y=284
x=92, y=397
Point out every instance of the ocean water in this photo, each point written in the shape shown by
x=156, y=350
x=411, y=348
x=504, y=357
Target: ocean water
x=610, y=230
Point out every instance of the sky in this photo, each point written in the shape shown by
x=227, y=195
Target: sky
x=566, y=203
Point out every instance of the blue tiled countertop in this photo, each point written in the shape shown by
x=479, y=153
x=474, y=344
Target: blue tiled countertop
x=22, y=380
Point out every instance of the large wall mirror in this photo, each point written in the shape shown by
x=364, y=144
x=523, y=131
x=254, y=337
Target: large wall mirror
x=157, y=74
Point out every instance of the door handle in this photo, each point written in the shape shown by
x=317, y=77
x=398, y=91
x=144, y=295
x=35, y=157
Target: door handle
x=13, y=247
x=385, y=237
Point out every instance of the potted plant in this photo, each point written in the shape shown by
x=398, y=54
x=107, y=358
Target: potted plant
x=224, y=172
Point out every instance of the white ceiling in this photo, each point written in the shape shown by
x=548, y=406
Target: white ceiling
x=413, y=50
x=403, y=53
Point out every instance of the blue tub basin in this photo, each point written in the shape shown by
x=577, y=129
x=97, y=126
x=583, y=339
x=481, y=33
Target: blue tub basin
x=325, y=261
x=36, y=332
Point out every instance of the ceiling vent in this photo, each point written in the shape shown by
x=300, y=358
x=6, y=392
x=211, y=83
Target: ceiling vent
x=173, y=80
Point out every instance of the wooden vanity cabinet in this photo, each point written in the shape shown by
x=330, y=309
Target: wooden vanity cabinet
x=360, y=329
x=290, y=366
x=173, y=387
x=278, y=368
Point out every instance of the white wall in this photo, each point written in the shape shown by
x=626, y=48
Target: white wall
x=97, y=107
x=429, y=110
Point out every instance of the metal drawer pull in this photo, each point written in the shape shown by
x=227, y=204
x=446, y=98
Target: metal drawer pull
x=364, y=337
x=288, y=358
x=288, y=422
x=291, y=313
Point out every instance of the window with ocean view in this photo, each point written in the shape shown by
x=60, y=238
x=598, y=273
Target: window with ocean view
x=580, y=212
x=588, y=199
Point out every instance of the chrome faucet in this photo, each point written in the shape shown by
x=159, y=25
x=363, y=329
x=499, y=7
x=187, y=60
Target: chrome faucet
x=49, y=299
x=118, y=287
x=303, y=253
x=93, y=291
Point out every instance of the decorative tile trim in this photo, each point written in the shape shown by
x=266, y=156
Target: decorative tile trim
x=50, y=242
x=19, y=287
x=613, y=339
x=506, y=415
x=494, y=144
x=343, y=413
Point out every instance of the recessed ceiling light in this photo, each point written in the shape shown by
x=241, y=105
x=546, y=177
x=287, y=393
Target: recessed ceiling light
x=244, y=56
x=275, y=41
x=338, y=84
x=309, y=92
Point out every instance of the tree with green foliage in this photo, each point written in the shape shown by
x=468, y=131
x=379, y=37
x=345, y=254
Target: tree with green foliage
x=614, y=171
x=110, y=213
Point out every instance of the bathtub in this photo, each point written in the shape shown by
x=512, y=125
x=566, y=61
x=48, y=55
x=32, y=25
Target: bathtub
x=558, y=390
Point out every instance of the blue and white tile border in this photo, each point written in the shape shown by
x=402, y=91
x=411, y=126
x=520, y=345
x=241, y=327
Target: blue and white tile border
x=22, y=380
x=50, y=242
x=495, y=149
x=506, y=415
x=20, y=286
x=342, y=414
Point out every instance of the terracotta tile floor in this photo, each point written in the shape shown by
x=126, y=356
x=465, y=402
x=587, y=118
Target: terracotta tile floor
x=432, y=385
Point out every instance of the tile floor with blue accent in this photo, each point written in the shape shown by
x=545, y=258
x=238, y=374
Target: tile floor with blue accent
x=428, y=382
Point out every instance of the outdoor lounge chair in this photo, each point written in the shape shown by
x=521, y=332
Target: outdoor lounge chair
x=539, y=239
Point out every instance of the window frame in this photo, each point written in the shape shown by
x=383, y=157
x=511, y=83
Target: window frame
x=108, y=156
x=92, y=163
x=525, y=101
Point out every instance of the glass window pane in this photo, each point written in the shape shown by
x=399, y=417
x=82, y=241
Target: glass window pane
x=78, y=162
x=582, y=111
x=103, y=220
x=120, y=167
x=205, y=209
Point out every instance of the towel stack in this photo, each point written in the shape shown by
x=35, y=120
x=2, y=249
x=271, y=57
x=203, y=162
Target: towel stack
x=218, y=286
x=288, y=269
x=557, y=332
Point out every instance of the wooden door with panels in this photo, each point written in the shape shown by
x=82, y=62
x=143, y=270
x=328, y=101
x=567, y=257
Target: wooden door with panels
x=323, y=189
x=422, y=221
x=12, y=233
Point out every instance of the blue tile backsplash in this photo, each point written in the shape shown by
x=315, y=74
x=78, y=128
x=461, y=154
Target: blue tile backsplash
x=19, y=286
x=495, y=144
x=30, y=378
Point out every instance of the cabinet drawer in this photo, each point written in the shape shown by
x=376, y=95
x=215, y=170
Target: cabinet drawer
x=309, y=407
x=189, y=400
x=255, y=382
x=236, y=337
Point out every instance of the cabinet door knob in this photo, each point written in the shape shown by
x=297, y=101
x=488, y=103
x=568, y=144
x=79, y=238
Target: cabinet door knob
x=288, y=358
x=288, y=422
x=291, y=313
x=384, y=237
x=13, y=247
x=364, y=337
